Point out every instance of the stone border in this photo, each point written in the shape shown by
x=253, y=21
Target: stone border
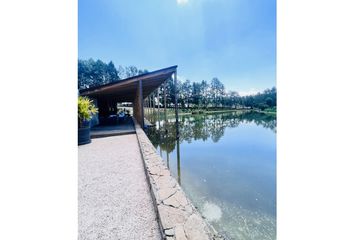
x=177, y=217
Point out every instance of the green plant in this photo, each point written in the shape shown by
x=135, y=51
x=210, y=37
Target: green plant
x=86, y=108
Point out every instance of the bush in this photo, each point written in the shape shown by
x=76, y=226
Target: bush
x=86, y=109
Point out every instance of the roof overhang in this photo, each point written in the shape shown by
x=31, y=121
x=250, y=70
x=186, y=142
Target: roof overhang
x=125, y=90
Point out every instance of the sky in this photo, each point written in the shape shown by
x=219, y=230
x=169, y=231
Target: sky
x=234, y=40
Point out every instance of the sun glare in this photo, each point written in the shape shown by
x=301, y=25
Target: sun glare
x=182, y=2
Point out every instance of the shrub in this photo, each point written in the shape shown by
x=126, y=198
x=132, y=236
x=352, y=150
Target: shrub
x=86, y=108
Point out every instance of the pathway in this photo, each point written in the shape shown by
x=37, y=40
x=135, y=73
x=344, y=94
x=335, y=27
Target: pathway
x=114, y=198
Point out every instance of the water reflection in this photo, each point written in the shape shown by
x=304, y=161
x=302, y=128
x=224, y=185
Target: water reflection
x=226, y=165
x=194, y=127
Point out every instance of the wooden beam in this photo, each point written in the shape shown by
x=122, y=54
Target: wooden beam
x=141, y=102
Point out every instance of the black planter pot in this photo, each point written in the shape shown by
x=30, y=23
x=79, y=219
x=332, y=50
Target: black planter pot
x=84, y=136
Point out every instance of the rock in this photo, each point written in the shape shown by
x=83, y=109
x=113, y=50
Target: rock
x=171, y=201
x=195, y=228
x=179, y=233
x=166, y=182
x=188, y=208
x=155, y=170
x=164, y=193
x=171, y=216
x=170, y=232
x=181, y=198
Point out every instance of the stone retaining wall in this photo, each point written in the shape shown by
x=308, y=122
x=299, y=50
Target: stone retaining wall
x=177, y=216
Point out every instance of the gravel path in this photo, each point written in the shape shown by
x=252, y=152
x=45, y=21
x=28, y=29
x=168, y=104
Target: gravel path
x=114, y=199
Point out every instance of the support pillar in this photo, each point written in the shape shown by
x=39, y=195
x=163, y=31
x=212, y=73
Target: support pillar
x=139, y=104
x=141, y=99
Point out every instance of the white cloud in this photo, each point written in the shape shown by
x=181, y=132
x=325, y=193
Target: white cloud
x=182, y=2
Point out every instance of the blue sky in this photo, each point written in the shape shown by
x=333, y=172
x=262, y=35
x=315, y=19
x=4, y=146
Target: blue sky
x=234, y=40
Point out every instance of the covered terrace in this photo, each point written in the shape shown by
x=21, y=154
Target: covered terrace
x=134, y=89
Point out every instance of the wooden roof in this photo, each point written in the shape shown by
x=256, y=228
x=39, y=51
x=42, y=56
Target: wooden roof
x=125, y=90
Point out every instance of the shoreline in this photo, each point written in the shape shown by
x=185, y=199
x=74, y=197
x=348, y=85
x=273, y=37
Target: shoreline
x=177, y=216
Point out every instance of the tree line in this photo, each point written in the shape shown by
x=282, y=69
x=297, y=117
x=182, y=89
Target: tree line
x=191, y=95
x=213, y=95
x=93, y=73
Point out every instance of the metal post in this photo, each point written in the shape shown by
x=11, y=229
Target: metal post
x=149, y=103
x=176, y=104
x=165, y=99
x=158, y=106
x=158, y=100
x=178, y=163
x=144, y=103
x=168, y=160
x=153, y=103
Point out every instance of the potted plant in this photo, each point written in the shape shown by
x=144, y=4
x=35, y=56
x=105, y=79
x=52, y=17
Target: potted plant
x=86, y=109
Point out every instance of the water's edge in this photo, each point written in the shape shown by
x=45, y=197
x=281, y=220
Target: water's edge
x=176, y=215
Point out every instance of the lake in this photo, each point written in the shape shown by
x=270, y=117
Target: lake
x=226, y=164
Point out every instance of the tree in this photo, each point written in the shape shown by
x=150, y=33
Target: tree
x=205, y=94
x=234, y=99
x=86, y=76
x=196, y=94
x=186, y=93
x=112, y=72
x=93, y=73
x=131, y=71
x=217, y=91
x=121, y=72
x=269, y=101
x=142, y=71
x=100, y=72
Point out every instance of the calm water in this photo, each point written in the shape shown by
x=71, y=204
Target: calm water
x=226, y=164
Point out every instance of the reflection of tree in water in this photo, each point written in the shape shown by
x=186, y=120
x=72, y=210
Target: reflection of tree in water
x=265, y=120
x=204, y=127
x=165, y=137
